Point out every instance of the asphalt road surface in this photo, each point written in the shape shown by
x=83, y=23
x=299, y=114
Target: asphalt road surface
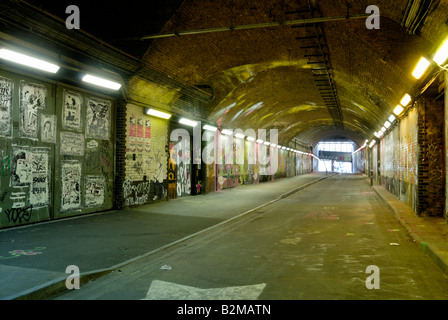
x=320, y=243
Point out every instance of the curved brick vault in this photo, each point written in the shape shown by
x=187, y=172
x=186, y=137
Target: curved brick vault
x=262, y=79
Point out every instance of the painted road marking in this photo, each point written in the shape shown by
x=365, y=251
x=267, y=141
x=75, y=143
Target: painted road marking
x=162, y=290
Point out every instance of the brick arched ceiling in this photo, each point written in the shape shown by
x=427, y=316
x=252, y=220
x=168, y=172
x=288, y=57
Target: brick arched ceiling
x=262, y=78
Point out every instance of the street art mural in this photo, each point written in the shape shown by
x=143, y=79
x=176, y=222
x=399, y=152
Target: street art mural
x=51, y=165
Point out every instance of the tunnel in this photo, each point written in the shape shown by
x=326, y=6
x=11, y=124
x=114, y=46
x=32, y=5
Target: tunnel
x=192, y=113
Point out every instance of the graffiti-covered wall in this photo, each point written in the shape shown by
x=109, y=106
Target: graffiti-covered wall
x=146, y=157
x=56, y=149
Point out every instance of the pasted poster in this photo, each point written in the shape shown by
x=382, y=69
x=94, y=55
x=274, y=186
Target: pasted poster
x=6, y=92
x=147, y=135
x=140, y=134
x=48, y=128
x=71, y=111
x=94, y=187
x=132, y=134
x=20, y=166
x=40, y=177
x=72, y=144
x=98, y=119
x=32, y=98
x=70, y=185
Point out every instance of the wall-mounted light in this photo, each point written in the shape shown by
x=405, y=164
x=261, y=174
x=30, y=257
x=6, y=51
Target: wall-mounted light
x=101, y=82
x=442, y=54
x=421, y=68
x=398, y=110
x=227, y=132
x=28, y=61
x=188, y=122
x=251, y=139
x=372, y=143
x=239, y=135
x=387, y=124
x=376, y=134
x=156, y=113
x=392, y=118
x=260, y=141
x=267, y=143
x=209, y=128
x=383, y=129
x=406, y=100
x=273, y=145
x=283, y=148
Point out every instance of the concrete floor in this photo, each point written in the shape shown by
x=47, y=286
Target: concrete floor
x=314, y=244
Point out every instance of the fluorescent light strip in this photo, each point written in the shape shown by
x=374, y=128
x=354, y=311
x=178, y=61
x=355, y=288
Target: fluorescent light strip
x=210, y=128
x=28, y=61
x=251, y=139
x=421, y=68
x=406, y=100
x=239, y=136
x=387, y=124
x=398, y=110
x=101, y=82
x=267, y=143
x=159, y=114
x=442, y=54
x=260, y=141
x=392, y=118
x=227, y=132
x=188, y=122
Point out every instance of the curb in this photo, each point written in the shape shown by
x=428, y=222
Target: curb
x=58, y=286
x=430, y=249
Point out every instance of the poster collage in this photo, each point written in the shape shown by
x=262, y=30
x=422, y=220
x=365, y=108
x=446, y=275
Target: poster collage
x=30, y=165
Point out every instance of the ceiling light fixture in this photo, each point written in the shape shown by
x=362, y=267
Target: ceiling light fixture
x=101, y=82
x=28, y=61
x=188, y=122
x=155, y=113
x=421, y=68
x=227, y=132
x=406, y=100
x=398, y=110
x=210, y=128
x=442, y=54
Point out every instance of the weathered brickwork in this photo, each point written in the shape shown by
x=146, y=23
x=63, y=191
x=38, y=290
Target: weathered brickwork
x=146, y=157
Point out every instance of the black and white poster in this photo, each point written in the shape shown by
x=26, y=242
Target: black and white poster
x=71, y=144
x=6, y=93
x=33, y=97
x=98, y=119
x=48, y=128
x=40, y=177
x=71, y=111
x=20, y=166
x=70, y=185
x=94, y=191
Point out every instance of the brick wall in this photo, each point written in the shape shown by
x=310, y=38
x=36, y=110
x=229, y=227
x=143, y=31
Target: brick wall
x=412, y=158
x=431, y=177
x=146, y=158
